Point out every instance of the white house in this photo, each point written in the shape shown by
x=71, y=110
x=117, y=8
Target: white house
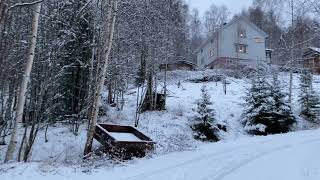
x=235, y=43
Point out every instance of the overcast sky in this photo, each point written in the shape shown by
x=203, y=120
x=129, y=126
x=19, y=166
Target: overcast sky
x=234, y=6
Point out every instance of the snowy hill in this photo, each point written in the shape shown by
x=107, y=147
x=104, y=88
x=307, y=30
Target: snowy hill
x=178, y=155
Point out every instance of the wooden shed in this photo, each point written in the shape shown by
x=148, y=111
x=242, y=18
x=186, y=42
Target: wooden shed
x=124, y=141
x=180, y=65
x=311, y=59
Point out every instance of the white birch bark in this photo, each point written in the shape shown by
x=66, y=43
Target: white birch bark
x=291, y=53
x=112, y=12
x=24, y=84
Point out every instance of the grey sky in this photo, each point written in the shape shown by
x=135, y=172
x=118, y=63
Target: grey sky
x=234, y=6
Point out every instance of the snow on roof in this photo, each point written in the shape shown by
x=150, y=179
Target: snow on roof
x=315, y=49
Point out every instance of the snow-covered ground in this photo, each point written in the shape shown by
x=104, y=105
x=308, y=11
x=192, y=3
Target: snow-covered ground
x=177, y=154
x=292, y=156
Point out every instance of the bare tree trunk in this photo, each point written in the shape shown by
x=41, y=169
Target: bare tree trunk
x=24, y=84
x=291, y=75
x=165, y=79
x=291, y=53
x=110, y=92
x=137, y=108
x=155, y=93
x=122, y=100
x=112, y=12
x=3, y=14
x=224, y=83
x=150, y=92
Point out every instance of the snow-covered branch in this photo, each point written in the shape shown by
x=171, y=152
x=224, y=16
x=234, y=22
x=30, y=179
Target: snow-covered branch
x=23, y=4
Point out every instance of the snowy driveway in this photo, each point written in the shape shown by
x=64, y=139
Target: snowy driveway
x=264, y=158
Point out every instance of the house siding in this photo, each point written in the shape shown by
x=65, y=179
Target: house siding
x=204, y=53
x=312, y=60
x=225, y=45
x=229, y=38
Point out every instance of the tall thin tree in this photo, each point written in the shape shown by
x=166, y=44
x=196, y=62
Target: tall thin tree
x=24, y=83
x=111, y=18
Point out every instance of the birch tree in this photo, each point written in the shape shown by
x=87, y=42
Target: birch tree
x=215, y=17
x=111, y=7
x=24, y=83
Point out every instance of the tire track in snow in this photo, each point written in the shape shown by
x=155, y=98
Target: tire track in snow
x=205, y=157
x=242, y=163
x=221, y=156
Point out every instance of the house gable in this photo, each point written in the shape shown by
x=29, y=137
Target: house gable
x=227, y=43
x=208, y=52
x=252, y=46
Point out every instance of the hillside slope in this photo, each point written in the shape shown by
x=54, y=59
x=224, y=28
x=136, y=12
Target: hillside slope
x=178, y=155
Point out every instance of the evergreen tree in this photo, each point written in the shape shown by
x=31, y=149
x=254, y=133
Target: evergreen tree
x=282, y=117
x=308, y=99
x=266, y=111
x=257, y=107
x=204, y=120
x=74, y=57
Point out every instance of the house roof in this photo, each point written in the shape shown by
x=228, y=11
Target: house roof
x=234, y=20
x=311, y=51
x=314, y=49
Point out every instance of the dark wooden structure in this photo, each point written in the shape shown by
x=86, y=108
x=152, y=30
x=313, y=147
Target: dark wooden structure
x=125, y=149
x=180, y=65
x=149, y=101
x=224, y=63
x=311, y=59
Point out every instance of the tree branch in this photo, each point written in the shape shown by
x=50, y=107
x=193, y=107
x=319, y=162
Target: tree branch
x=23, y=4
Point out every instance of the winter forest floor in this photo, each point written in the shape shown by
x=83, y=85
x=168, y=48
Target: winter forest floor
x=177, y=155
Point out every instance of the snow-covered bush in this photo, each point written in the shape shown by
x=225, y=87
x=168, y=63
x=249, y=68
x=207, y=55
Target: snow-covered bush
x=203, y=125
x=208, y=78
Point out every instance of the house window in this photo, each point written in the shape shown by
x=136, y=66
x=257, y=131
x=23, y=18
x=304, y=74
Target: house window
x=241, y=48
x=268, y=54
x=258, y=40
x=201, y=50
x=242, y=33
x=211, y=41
x=229, y=61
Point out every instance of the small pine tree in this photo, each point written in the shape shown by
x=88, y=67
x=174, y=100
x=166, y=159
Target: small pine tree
x=258, y=107
x=282, y=117
x=204, y=120
x=308, y=99
x=266, y=111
